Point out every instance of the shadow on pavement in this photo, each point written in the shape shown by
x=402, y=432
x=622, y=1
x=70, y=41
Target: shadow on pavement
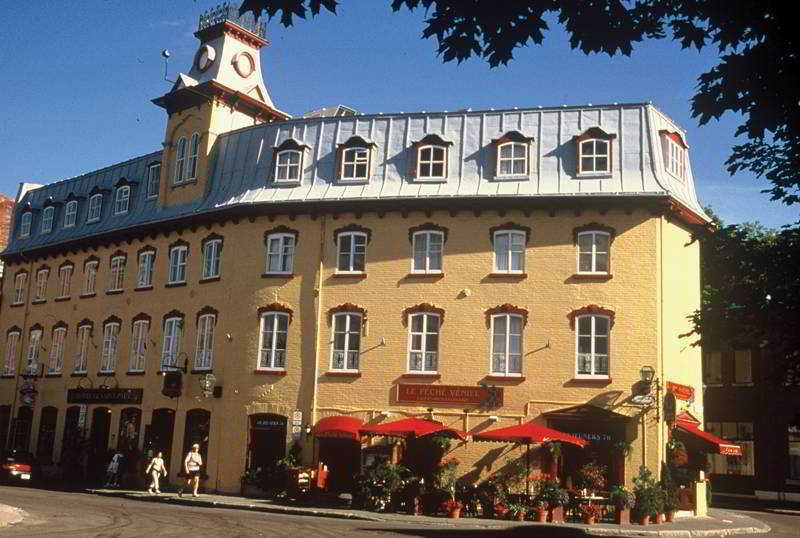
x=521, y=530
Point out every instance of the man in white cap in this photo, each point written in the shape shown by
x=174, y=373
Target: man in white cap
x=192, y=465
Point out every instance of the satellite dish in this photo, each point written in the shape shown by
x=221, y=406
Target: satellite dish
x=643, y=399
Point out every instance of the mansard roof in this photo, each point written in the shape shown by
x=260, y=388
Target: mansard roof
x=240, y=169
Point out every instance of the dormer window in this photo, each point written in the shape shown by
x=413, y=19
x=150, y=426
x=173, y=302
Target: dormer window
x=25, y=224
x=153, y=180
x=355, y=159
x=70, y=213
x=47, y=219
x=122, y=200
x=289, y=162
x=431, y=156
x=191, y=169
x=180, y=162
x=674, y=149
x=95, y=205
x=512, y=155
x=594, y=152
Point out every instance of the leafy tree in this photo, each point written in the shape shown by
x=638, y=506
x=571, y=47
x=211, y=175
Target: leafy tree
x=758, y=74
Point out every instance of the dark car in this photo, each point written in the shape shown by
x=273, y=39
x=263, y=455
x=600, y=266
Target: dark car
x=18, y=467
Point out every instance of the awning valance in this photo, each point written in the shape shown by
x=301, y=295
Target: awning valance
x=528, y=433
x=341, y=427
x=716, y=444
x=412, y=427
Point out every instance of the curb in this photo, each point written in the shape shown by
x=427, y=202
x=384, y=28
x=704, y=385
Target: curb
x=679, y=533
x=10, y=515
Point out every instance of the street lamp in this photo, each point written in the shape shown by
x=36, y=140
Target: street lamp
x=207, y=382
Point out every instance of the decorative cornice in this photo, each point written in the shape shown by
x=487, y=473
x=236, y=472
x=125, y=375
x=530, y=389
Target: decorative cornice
x=213, y=236
x=291, y=143
x=118, y=254
x=346, y=307
x=172, y=314
x=593, y=227
x=356, y=141
x=593, y=310
x=282, y=230
x=85, y=322
x=91, y=258
x=112, y=319
x=675, y=136
x=43, y=267
x=276, y=307
x=510, y=226
x=67, y=263
x=506, y=309
x=351, y=228
x=146, y=248
x=13, y=329
x=427, y=227
x=423, y=308
x=512, y=136
x=178, y=243
x=59, y=325
x=594, y=132
x=140, y=317
x=35, y=327
x=433, y=139
x=205, y=311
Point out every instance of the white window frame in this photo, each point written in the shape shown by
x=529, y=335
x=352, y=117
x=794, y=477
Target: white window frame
x=508, y=254
x=153, y=181
x=48, y=214
x=70, y=213
x=593, y=356
x=32, y=358
x=122, y=200
x=587, y=149
x=90, y=277
x=140, y=332
x=283, y=253
x=594, y=252
x=431, y=162
x=171, y=345
x=204, y=345
x=177, y=264
x=65, y=280
x=144, y=273
x=12, y=350
x=507, y=355
x=424, y=335
x=108, y=357
x=42, y=276
x=352, y=159
x=292, y=170
x=57, y=350
x=212, y=258
x=25, y=224
x=513, y=159
x=83, y=339
x=351, y=253
x=20, y=281
x=116, y=275
x=180, y=162
x=742, y=367
x=427, y=252
x=95, y=208
x=675, y=159
x=348, y=352
x=268, y=350
x=191, y=168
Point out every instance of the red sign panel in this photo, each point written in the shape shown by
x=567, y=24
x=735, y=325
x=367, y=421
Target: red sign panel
x=681, y=392
x=450, y=394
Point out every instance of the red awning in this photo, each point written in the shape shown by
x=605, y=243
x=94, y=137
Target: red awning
x=720, y=446
x=528, y=433
x=412, y=427
x=339, y=427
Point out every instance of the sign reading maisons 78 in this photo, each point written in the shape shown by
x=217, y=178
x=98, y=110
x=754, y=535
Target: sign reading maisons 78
x=450, y=394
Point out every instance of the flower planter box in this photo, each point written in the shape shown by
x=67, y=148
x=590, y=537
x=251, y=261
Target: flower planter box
x=556, y=514
x=455, y=513
x=622, y=516
x=670, y=516
x=541, y=515
x=644, y=520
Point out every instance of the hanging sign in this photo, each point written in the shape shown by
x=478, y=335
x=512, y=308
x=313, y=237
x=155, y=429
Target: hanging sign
x=92, y=396
x=173, y=384
x=670, y=407
x=27, y=393
x=450, y=394
x=681, y=392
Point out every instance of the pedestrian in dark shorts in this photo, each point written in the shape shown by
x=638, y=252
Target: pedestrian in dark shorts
x=192, y=465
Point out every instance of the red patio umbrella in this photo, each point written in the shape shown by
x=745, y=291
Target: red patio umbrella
x=527, y=434
x=342, y=427
x=412, y=427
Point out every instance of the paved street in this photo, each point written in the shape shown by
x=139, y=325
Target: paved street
x=61, y=514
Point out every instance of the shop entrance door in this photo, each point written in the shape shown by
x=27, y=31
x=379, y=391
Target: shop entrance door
x=267, y=440
x=98, y=443
x=161, y=428
x=22, y=429
x=343, y=458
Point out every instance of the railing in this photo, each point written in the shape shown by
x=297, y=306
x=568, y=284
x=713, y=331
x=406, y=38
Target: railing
x=230, y=12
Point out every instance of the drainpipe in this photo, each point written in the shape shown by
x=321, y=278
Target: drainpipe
x=318, y=299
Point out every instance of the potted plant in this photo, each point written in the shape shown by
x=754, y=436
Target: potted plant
x=411, y=492
x=592, y=477
x=540, y=510
x=669, y=493
x=453, y=508
x=500, y=510
x=517, y=510
x=623, y=501
x=489, y=494
x=645, y=491
x=678, y=456
x=589, y=512
x=558, y=499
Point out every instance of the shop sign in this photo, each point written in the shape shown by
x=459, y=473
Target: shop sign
x=450, y=394
x=269, y=423
x=681, y=392
x=100, y=395
x=594, y=436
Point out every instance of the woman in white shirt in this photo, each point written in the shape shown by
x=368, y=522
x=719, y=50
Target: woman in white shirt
x=155, y=470
x=192, y=465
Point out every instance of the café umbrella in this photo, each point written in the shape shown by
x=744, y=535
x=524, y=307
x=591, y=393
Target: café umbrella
x=412, y=427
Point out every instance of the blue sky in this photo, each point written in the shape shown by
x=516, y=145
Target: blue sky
x=80, y=75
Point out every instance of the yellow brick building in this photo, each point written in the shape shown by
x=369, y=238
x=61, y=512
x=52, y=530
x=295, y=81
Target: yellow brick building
x=304, y=268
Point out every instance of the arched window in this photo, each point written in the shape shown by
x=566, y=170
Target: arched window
x=346, y=343
x=427, y=251
x=70, y=213
x=25, y=224
x=512, y=159
x=95, y=205
x=193, y=146
x=593, y=252
x=423, y=342
x=57, y=349
x=591, y=345
x=355, y=163
x=47, y=219
x=506, y=346
x=180, y=161
x=431, y=162
x=594, y=156
x=108, y=359
x=287, y=165
x=204, y=348
x=122, y=200
x=12, y=350
x=273, y=341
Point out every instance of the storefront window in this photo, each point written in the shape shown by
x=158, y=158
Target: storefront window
x=794, y=448
x=740, y=433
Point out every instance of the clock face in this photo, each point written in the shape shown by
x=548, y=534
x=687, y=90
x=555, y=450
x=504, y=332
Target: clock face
x=244, y=64
x=205, y=57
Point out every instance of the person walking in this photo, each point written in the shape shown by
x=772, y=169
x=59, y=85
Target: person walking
x=155, y=470
x=112, y=472
x=191, y=465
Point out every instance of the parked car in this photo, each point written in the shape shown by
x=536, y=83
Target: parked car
x=18, y=467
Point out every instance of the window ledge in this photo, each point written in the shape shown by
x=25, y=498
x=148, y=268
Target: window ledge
x=346, y=182
x=86, y=295
x=332, y=373
x=61, y=299
x=201, y=370
x=349, y=275
x=599, y=379
x=92, y=221
x=715, y=384
x=7, y=376
x=106, y=374
x=135, y=372
x=210, y=279
x=293, y=183
x=421, y=375
x=592, y=276
x=14, y=305
x=269, y=372
x=432, y=180
x=514, y=177
x=174, y=284
x=78, y=374
x=143, y=288
x=39, y=301
x=746, y=384
x=431, y=276
x=53, y=374
x=277, y=275
x=507, y=378
x=508, y=275
x=114, y=292
x=593, y=175
x=180, y=184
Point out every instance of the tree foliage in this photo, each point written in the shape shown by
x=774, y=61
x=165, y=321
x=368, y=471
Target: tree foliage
x=758, y=74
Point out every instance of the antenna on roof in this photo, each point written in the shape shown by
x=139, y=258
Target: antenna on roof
x=165, y=55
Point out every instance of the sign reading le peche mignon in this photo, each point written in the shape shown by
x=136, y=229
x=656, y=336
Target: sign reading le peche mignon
x=89, y=396
x=450, y=394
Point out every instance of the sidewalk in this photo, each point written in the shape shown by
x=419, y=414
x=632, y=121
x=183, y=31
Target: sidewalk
x=10, y=515
x=718, y=523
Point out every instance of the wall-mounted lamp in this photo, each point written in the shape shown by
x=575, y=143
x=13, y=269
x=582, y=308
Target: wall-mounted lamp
x=207, y=382
x=384, y=414
x=493, y=418
x=308, y=429
x=648, y=373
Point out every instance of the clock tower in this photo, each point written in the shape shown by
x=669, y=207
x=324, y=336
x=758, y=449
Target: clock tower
x=223, y=90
